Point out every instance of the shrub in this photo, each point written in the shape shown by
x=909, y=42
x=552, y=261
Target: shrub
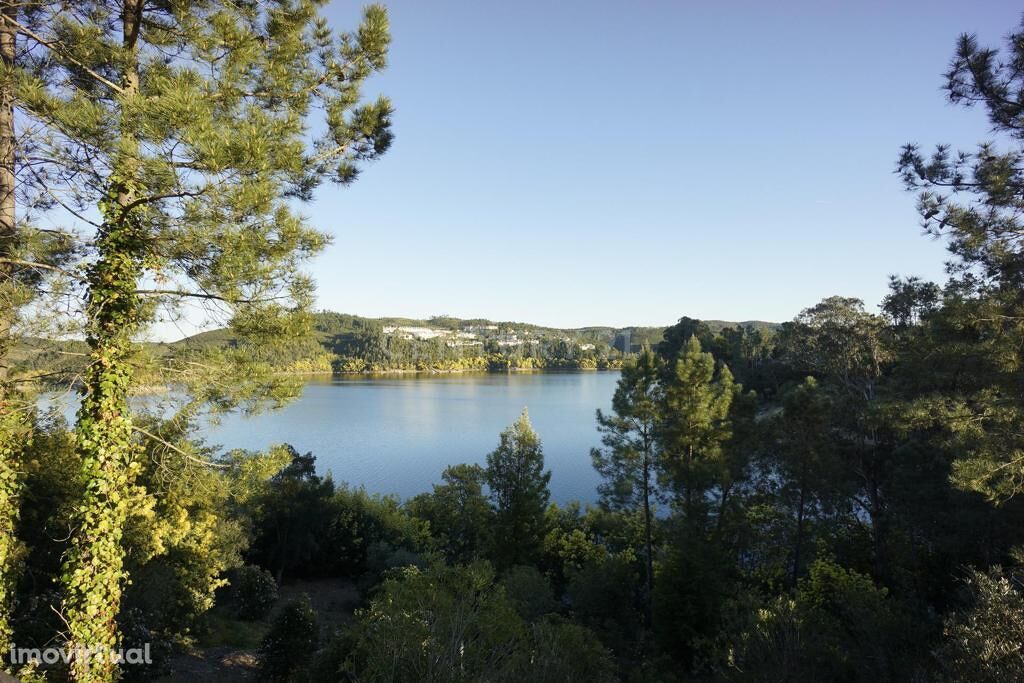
x=984, y=643
x=291, y=641
x=530, y=592
x=253, y=592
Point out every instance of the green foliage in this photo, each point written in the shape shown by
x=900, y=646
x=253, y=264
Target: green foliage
x=691, y=588
x=15, y=435
x=530, y=592
x=629, y=460
x=695, y=427
x=838, y=627
x=456, y=624
x=519, y=492
x=458, y=513
x=290, y=643
x=604, y=596
x=253, y=592
x=806, y=463
x=972, y=344
x=180, y=537
x=562, y=651
x=570, y=544
x=446, y=623
x=984, y=642
x=837, y=339
x=369, y=534
x=292, y=517
x=305, y=526
x=192, y=200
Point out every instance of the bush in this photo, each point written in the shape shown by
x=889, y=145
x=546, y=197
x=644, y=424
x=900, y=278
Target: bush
x=291, y=641
x=839, y=626
x=530, y=592
x=604, y=597
x=253, y=592
x=135, y=634
x=984, y=643
x=561, y=651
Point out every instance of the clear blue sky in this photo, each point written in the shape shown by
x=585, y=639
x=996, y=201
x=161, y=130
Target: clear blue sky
x=579, y=163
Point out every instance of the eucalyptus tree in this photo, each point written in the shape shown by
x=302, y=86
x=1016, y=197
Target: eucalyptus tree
x=184, y=134
x=848, y=350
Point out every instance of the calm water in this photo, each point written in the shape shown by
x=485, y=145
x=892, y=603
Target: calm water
x=396, y=434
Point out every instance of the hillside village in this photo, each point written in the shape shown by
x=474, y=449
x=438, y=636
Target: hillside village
x=474, y=335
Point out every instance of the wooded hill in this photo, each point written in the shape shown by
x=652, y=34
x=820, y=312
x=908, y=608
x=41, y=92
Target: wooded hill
x=349, y=343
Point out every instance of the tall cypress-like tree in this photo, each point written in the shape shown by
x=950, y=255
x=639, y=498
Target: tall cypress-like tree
x=184, y=132
x=519, y=491
x=628, y=463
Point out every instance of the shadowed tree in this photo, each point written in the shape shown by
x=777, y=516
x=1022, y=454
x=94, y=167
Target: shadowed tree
x=804, y=460
x=628, y=463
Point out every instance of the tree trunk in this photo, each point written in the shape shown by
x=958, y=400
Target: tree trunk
x=94, y=569
x=8, y=227
x=798, y=542
x=649, y=546
x=13, y=424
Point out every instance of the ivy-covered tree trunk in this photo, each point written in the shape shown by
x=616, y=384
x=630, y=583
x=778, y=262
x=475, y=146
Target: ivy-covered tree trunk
x=94, y=568
x=12, y=422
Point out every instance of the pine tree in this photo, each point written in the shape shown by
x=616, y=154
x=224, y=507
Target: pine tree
x=28, y=256
x=185, y=126
x=519, y=492
x=628, y=463
x=972, y=361
x=12, y=421
x=695, y=428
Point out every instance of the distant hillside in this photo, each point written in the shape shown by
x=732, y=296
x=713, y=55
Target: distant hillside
x=350, y=343
x=328, y=325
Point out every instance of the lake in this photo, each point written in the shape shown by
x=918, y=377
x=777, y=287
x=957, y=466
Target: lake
x=395, y=434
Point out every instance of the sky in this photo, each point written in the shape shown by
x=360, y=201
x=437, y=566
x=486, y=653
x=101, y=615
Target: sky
x=628, y=163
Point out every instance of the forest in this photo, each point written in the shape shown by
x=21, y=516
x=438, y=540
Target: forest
x=833, y=499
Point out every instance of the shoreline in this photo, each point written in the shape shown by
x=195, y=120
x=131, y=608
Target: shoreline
x=477, y=371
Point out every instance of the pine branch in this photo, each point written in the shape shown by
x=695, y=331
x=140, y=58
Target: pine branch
x=177, y=450
x=57, y=49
